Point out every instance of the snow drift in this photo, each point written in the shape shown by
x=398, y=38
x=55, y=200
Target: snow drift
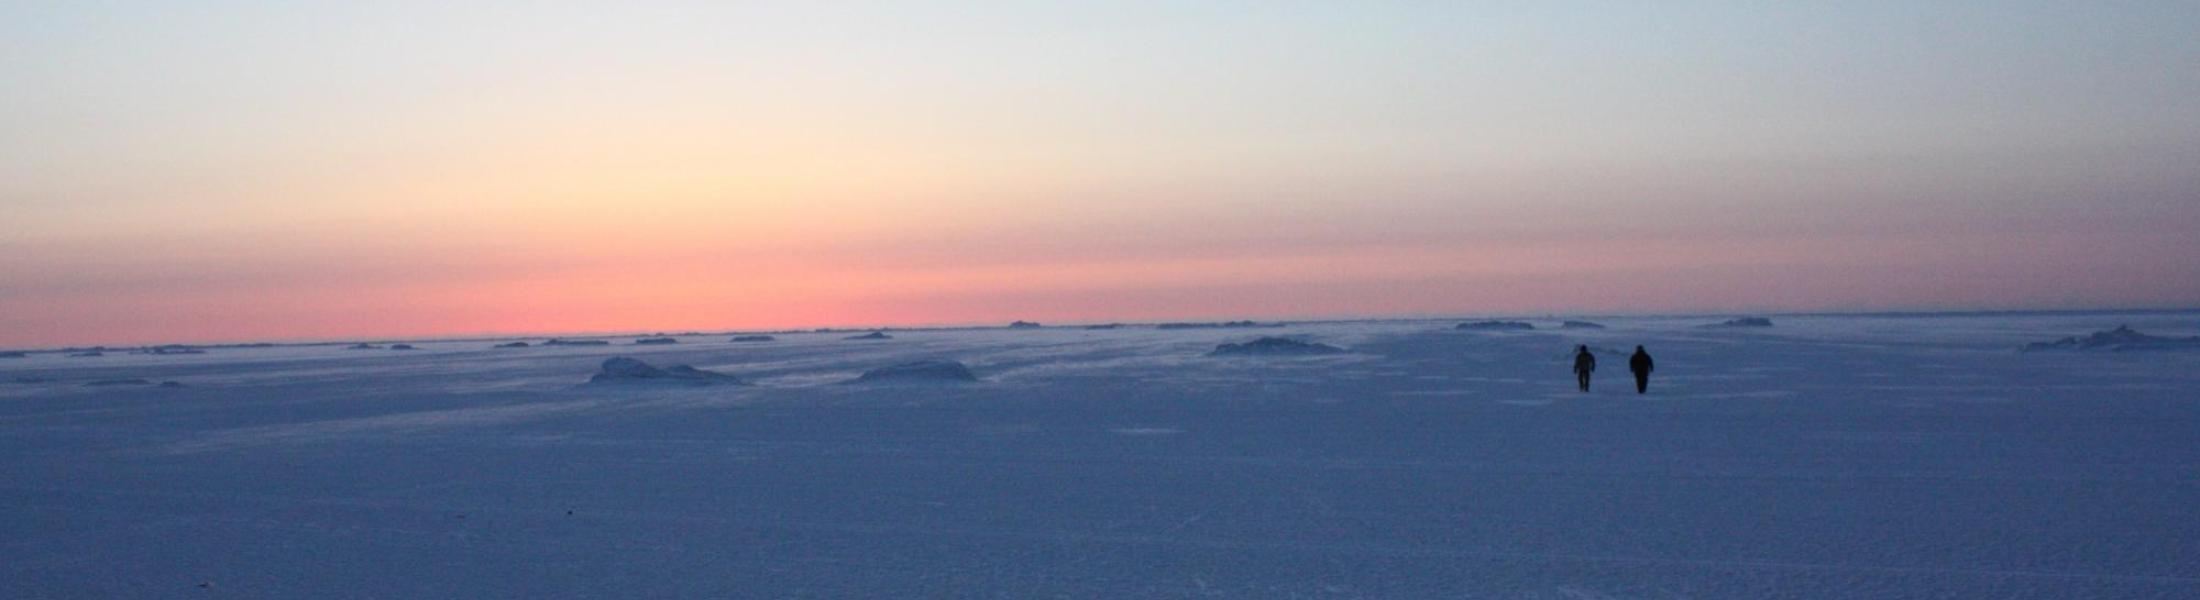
x=923, y=371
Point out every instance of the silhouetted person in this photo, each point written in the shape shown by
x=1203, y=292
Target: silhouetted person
x=1642, y=366
x=1584, y=364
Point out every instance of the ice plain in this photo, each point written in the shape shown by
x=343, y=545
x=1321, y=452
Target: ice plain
x=1822, y=457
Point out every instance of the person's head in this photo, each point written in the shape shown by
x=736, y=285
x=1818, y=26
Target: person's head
x=1638, y=348
x=1581, y=349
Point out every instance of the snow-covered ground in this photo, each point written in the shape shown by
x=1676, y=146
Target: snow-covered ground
x=1823, y=457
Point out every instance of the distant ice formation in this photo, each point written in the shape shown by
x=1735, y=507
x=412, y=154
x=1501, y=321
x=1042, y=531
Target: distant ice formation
x=923, y=371
x=1275, y=346
x=1222, y=325
x=1579, y=325
x=363, y=346
x=2121, y=339
x=115, y=382
x=512, y=345
x=754, y=338
x=623, y=370
x=655, y=341
x=87, y=354
x=559, y=342
x=1024, y=325
x=1496, y=326
x=875, y=335
x=13, y=355
x=402, y=347
x=1743, y=322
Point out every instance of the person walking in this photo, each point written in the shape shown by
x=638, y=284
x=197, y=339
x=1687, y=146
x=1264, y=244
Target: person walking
x=1641, y=365
x=1584, y=364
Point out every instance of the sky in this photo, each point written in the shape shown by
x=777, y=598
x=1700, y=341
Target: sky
x=244, y=171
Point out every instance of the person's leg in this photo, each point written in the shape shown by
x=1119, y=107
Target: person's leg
x=1584, y=377
x=1642, y=383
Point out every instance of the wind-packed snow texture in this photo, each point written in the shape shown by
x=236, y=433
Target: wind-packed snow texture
x=1829, y=457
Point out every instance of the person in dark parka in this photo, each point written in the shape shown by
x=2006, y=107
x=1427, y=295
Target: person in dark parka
x=1642, y=366
x=1584, y=364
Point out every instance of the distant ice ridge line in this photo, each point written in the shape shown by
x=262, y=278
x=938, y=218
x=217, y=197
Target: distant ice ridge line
x=2121, y=339
x=1741, y=322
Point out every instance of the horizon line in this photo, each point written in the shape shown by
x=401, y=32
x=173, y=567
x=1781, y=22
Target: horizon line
x=489, y=336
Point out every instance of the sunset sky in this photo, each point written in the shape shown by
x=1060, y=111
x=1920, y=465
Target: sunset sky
x=238, y=171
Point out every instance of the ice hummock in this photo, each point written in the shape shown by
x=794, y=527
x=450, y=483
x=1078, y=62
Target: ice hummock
x=1496, y=326
x=623, y=370
x=2121, y=339
x=1275, y=346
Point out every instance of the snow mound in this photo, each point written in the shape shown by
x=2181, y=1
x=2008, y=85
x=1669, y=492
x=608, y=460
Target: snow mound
x=655, y=341
x=923, y=371
x=1495, y=326
x=1275, y=346
x=875, y=335
x=754, y=338
x=1579, y=325
x=363, y=346
x=1743, y=322
x=626, y=371
x=2121, y=339
x=559, y=342
x=511, y=345
x=1024, y=325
